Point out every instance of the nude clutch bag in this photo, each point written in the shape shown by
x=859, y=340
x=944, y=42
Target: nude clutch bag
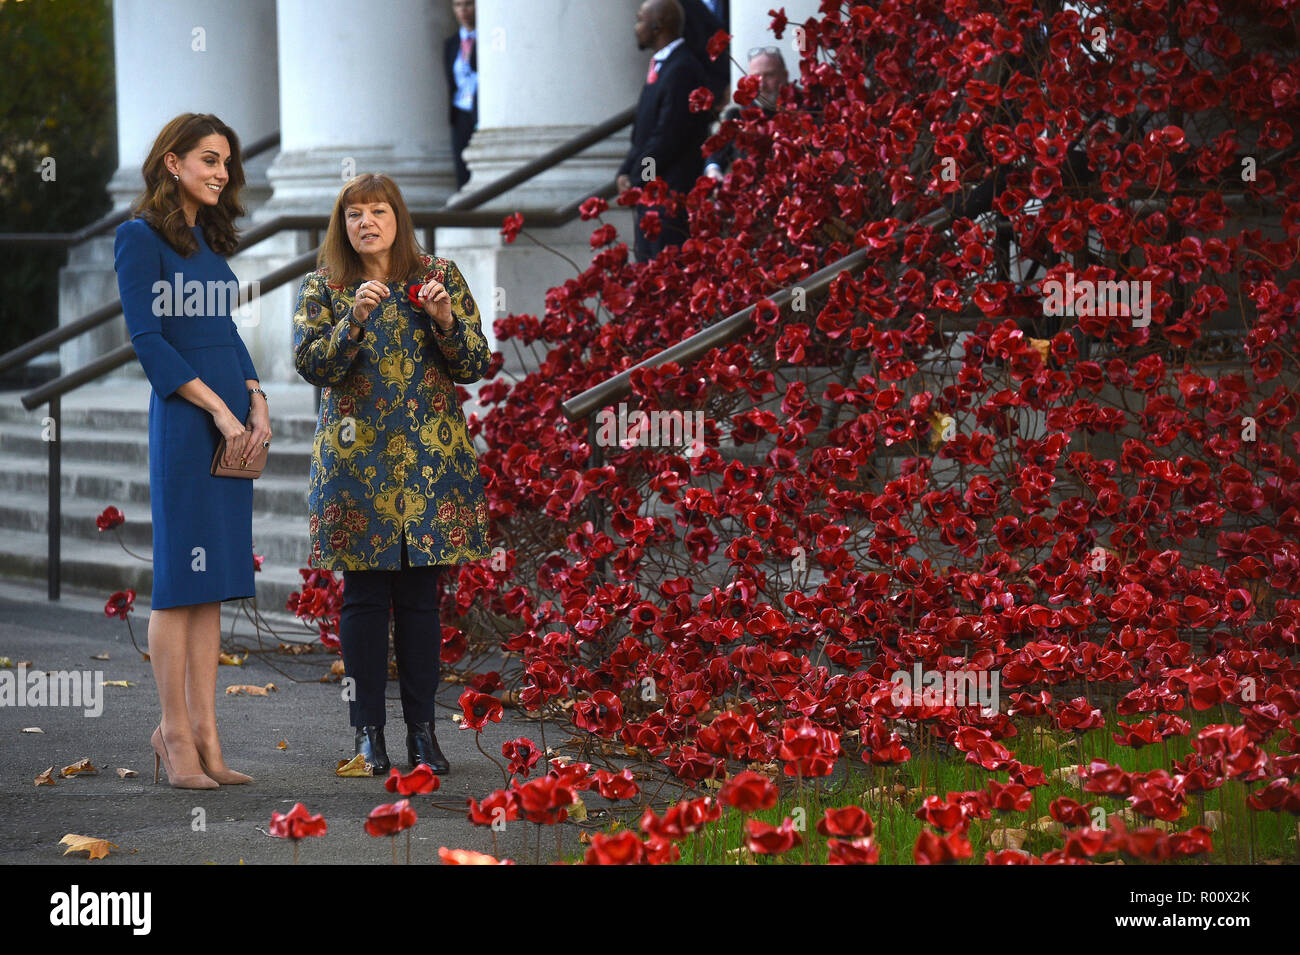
x=252, y=467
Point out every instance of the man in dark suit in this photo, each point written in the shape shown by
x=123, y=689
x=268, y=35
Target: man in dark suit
x=703, y=19
x=666, y=135
x=768, y=65
x=460, y=60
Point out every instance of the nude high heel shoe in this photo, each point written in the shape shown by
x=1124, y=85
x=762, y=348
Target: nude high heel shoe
x=227, y=777
x=196, y=781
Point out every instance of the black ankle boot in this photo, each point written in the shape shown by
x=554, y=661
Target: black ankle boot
x=370, y=745
x=422, y=747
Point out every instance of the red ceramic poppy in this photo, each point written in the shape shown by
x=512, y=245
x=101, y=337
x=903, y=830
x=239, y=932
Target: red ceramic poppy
x=616, y=786
x=419, y=780
x=749, y=792
x=861, y=851
x=297, y=823
x=120, y=604
x=479, y=709
x=544, y=800
x=932, y=849
x=522, y=753
x=390, y=819
x=497, y=808
x=762, y=838
x=468, y=857
x=621, y=848
x=848, y=822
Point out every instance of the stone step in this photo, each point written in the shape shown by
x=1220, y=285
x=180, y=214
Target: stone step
x=120, y=449
x=101, y=567
x=295, y=427
x=123, y=402
x=278, y=538
x=124, y=487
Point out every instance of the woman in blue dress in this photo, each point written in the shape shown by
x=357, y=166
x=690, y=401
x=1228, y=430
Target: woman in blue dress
x=177, y=299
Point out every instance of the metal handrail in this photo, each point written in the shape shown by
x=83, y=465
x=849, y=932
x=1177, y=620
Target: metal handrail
x=123, y=354
x=721, y=332
x=455, y=214
x=114, y=219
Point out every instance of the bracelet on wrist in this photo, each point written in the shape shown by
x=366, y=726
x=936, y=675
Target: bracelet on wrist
x=259, y=391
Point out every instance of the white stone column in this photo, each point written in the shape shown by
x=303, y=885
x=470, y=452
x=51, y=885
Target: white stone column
x=544, y=78
x=172, y=57
x=547, y=70
x=362, y=89
x=188, y=56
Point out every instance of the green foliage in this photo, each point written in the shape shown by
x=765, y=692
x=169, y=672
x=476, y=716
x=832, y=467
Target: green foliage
x=56, y=102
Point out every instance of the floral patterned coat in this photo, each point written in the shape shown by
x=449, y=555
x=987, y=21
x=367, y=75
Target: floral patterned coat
x=392, y=452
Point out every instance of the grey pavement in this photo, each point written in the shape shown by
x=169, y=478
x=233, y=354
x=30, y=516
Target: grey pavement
x=155, y=824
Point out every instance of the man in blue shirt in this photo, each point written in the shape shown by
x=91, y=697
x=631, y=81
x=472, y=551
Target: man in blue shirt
x=460, y=56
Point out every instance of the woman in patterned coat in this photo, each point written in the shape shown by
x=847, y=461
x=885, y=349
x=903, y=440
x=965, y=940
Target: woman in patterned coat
x=395, y=492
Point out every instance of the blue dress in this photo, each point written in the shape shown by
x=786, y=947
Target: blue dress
x=202, y=525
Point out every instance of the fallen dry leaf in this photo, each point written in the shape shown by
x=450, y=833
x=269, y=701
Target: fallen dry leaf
x=122, y=683
x=356, y=766
x=6, y=663
x=46, y=778
x=283, y=744
x=80, y=767
x=895, y=791
x=100, y=656
x=249, y=689
x=32, y=729
x=126, y=773
x=98, y=848
x=1008, y=838
x=230, y=660
x=578, y=811
x=942, y=428
x=1067, y=773
x=337, y=669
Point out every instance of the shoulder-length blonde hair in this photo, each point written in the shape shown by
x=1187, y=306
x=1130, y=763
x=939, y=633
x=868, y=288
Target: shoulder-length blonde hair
x=341, y=261
x=160, y=203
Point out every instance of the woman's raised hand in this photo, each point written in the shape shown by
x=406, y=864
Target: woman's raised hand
x=369, y=295
x=436, y=300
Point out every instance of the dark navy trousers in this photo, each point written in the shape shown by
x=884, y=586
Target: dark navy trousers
x=412, y=595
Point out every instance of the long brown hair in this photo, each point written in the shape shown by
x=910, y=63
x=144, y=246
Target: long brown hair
x=160, y=203
x=336, y=253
